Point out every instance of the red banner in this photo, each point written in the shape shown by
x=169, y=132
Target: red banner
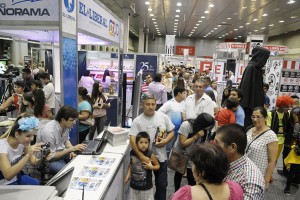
x=179, y=50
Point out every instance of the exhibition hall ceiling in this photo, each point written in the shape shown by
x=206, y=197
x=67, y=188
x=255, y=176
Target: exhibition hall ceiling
x=211, y=19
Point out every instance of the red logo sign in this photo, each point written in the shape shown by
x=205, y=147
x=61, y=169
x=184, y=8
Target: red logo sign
x=205, y=65
x=179, y=50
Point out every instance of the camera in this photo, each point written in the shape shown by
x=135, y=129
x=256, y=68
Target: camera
x=46, y=148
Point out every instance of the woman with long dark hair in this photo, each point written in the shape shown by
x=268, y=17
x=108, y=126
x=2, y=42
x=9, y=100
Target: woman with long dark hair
x=41, y=109
x=190, y=133
x=85, y=111
x=99, y=104
x=106, y=80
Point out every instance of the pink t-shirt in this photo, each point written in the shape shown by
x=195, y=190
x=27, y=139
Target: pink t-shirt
x=185, y=192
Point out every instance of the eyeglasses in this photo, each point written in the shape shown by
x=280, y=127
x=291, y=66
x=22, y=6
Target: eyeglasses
x=256, y=117
x=72, y=120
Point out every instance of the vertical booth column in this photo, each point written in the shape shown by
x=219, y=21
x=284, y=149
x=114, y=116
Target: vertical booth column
x=68, y=57
x=141, y=40
x=126, y=30
x=19, y=50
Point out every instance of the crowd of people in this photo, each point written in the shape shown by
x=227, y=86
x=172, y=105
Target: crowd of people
x=181, y=111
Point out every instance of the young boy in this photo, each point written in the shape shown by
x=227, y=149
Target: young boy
x=226, y=115
x=141, y=173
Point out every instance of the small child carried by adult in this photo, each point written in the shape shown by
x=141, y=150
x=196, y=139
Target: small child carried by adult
x=140, y=173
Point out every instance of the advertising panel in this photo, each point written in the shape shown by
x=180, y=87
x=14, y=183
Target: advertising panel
x=95, y=19
x=147, y=63
x=180, y=50
x=29, y=10
x=69, y=16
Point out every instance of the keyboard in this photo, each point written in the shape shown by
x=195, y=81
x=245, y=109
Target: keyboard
x=93, y=147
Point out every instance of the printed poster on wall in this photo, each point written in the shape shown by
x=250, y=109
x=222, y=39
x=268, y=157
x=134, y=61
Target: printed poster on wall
x=69, y=16
x=29, y=10
x=272, y=72
x=290, y=82
x=147, y=63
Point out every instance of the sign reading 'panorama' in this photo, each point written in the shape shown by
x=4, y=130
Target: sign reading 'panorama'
x=29, y=10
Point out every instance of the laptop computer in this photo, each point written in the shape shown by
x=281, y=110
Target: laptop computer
x=61, y=182
x=95, y=146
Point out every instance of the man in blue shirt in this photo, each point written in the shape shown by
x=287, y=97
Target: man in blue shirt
x=239, y=113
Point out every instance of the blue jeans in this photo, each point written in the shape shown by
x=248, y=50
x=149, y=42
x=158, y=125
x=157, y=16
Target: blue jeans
x=56, y=166
x=24, y=179
x=161, y=181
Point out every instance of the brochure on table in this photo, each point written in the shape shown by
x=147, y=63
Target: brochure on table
x=94, y=172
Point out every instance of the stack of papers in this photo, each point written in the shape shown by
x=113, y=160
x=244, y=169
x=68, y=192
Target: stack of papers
x=117, y=136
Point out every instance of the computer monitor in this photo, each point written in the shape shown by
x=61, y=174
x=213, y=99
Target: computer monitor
x=62, y=181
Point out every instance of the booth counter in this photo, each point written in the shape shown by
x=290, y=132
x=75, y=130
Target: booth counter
x=103, y=175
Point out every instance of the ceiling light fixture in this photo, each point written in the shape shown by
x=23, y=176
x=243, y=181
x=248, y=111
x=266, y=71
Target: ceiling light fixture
x=271, y=25
x=281, y=21
x=229, y=18
x=197, y=24
x=255, y=30
x=178, y=4
x=248, y=23
x=293, y=17
x=176, y=15
x=154, y=22
x=235, y=29
x=220, y=37
x=153, y=19
x=241, y=27
x=223, y=22
x=203, y=17
x=219, y=25
x=211, y=5
x=239, y=36
x=147, y=3
x=199, y=21
x=176, y=23
x=265, y=14
x=150, y=9
x=177, y=10
x=215, y=28
x=254, y=20
x=176, y=20
x=291, y=2
x=263, y=27
x=235, y=38
x=244, y=7
x=206, y=11
x=151, y=15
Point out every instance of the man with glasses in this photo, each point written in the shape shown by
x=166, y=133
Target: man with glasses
x=56, y=132
x=199, y=102
x=161, y=132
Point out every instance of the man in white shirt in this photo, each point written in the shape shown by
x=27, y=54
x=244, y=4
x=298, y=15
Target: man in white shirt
x=231, y=76
x=48, y=90
x=174, y=108
x=199, y=102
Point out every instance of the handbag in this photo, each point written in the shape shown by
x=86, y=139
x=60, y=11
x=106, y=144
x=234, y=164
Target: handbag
x=177, y=161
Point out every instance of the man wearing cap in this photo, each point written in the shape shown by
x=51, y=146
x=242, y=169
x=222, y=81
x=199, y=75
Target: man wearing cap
x=161, y=131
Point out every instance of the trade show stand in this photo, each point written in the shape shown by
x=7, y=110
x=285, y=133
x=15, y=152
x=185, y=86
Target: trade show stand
x=102, y=175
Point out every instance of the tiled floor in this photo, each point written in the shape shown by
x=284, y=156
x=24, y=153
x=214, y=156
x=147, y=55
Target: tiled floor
x=275, y=191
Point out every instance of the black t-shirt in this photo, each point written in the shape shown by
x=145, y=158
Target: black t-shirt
x=141, y=178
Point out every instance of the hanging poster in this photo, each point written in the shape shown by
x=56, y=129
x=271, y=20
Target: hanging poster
x=273, y=71
x=290, y=78
x=147, y=63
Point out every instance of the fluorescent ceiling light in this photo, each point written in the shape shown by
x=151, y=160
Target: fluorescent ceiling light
x=153, y=19
x=206, y=11
x=154, y=22
x=202, y=17
x=176, y=20
x=151, y=15
x=176, y=15
x=293, y=17
x=176, y=23
x=211, y=5
x=229, y=18
x=177, y=10
x=291, y=2
x=147, y=3
x=178, y=4
x=199, y=21
x=263, y=27
x=239, y=36
x=215, y=28
x=219, y=25
x=254, y=20
x=197, y=24
x=255, y=30
x=265, y=14
x=235, y=29
x=220, y=37
x=271, y=25
x=281, y=21
x=150, y=9
x=248, y=23
x=241, y=27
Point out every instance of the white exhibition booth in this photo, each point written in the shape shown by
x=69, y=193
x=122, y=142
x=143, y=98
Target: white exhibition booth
x=61, y=26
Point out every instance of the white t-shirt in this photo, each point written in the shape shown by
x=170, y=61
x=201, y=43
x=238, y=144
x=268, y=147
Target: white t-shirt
x=87, y=82
x=49, y=94
x=14, y=155
x=143, y=123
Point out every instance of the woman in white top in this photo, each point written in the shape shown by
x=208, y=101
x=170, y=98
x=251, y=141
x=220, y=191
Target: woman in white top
x=106, y=80
x=16, y=151
x=262, y=144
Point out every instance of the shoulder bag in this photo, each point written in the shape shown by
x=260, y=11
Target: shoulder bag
x=256, y=139
x=177, y=161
